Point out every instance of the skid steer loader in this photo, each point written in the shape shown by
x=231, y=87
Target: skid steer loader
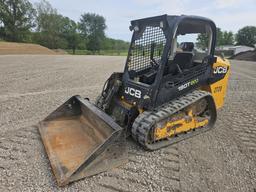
x=170, y=90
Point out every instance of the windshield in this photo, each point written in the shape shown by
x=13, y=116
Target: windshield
x=195, y=39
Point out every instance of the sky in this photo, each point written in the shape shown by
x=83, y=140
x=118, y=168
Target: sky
x=229, y=15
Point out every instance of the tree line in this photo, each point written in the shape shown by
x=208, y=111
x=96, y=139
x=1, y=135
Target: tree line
x=245, y=36
x=20, y=21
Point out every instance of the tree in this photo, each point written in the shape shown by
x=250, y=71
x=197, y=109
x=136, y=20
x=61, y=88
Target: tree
x=227, y=38
x=44, y=9
x=202, y=41
x=218, y=36
x=92, y=27
x=115, y=45
x=49, y=26
x=2, y=34
x=246, y=36
x=69, y=32
x=222, y=38
x=17, y=18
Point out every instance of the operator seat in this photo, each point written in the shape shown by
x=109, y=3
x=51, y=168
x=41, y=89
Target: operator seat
x=187, y=46
x=182, y=60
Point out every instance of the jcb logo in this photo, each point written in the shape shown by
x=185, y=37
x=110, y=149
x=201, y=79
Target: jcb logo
x=220, y=70
x=133, y=92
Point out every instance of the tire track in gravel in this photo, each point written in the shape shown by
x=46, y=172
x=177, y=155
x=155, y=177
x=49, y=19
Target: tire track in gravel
x=245, y=142
x=242, y=113
x=16, y=95
x=15, y=156
x=21, y=151
x=24, y=165
x=22, y=111
x=145, y=171
x=239, y=117
x=243, y=123
x=18, y=124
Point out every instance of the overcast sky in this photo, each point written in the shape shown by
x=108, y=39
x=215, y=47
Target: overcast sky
x=227, y=14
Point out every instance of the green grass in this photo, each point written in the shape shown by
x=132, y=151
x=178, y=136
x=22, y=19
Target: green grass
x=102, y=52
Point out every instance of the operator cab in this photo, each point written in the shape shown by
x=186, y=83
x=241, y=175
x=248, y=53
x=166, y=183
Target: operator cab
x=190, y=45
x=168, y=46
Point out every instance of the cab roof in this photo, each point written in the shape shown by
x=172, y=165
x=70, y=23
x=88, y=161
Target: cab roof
x=187, y=23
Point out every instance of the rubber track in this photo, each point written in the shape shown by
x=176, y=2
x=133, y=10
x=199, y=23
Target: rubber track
x=144, y=122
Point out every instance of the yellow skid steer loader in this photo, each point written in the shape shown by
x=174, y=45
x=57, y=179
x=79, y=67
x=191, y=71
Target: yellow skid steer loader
x=170, y=90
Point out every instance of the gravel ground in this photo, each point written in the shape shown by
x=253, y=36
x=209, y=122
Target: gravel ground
x=31, y=87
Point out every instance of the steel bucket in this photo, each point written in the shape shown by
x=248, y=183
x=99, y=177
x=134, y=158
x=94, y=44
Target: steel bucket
x=81, y=141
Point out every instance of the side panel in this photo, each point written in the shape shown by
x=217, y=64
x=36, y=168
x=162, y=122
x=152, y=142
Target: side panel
x=218, y=84
x=172, y=87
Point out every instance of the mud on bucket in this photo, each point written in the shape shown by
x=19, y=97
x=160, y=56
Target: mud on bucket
x=81, y=141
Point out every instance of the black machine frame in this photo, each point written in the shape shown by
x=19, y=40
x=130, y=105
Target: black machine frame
x=123, y=97
x=165, y=88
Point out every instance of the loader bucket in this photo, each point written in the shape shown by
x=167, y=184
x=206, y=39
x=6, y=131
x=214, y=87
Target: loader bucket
x=81, y=141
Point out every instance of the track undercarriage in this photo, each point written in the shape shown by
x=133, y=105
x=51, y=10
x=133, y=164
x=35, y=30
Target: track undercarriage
x=182, y=118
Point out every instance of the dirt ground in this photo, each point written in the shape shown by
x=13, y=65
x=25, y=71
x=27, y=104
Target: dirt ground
x=245, y=56
x=31, y=87
x=7, y=48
